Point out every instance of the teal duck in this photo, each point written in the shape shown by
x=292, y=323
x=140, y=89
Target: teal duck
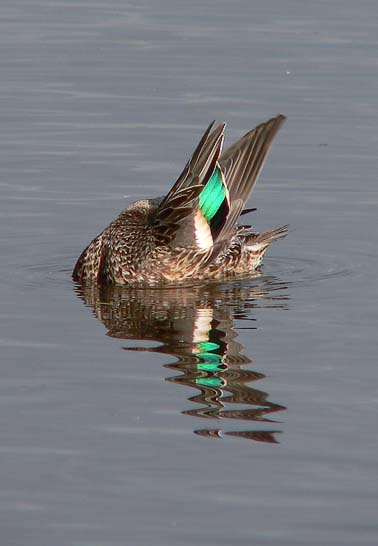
x=192, y=233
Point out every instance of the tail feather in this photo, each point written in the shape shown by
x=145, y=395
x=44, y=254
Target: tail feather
x=273, y=235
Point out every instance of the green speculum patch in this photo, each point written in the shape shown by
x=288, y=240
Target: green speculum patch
x=212, y=196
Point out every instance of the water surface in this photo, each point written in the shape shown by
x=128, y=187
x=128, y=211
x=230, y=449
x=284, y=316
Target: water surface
x=242, y=413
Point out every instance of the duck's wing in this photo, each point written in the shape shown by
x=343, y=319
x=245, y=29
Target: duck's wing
x=173, y=220
x=241, y=165
x=202, y=208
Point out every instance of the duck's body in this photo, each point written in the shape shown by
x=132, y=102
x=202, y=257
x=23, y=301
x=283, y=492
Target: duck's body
x=191, y=234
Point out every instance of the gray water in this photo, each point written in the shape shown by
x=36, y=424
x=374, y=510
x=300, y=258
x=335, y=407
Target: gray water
x=116, y=426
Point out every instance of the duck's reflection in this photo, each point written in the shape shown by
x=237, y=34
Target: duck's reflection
x=196, y=325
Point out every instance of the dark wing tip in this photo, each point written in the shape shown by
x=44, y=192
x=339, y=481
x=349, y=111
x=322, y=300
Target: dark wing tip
x=280, y=118
x=276, y=122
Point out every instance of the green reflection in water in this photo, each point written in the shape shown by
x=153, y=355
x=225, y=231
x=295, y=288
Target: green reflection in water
x=196, y=326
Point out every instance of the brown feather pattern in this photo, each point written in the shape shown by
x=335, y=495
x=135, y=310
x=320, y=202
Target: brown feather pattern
x=152, y=242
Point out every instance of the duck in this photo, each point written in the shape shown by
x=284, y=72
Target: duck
x=193, y=233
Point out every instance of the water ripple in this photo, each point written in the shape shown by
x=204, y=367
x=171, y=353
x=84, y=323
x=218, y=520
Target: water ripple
x=196, y=326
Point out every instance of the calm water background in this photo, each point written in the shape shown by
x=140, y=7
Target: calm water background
x=101, y=103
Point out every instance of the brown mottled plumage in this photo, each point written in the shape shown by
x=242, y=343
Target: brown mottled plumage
x=191, y=234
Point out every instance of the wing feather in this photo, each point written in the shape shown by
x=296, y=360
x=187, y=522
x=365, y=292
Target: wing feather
x=181, y=200
x=241, y=165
